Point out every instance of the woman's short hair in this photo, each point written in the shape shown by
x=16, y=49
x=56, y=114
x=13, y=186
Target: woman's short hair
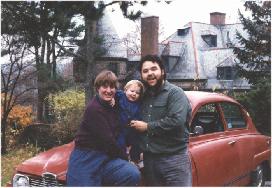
x=106, y=78
x=138, y=83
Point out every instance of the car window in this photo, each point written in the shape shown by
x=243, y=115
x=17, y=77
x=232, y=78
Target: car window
x=233, y=116
x=206, y=120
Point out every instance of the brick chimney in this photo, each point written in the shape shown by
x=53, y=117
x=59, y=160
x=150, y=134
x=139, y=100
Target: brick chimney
x=217, y=18
x=149, y=35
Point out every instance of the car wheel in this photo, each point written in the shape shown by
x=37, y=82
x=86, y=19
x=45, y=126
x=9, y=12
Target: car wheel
x=258, y=176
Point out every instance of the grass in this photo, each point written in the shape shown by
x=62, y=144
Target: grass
x=13, y=158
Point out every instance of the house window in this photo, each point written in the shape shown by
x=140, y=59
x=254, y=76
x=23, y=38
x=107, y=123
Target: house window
x=166, y=63
x=211, y=40
x=183, y=32
x=229, y=43
x=169, y=62
x=226, y=73
x=113, y=67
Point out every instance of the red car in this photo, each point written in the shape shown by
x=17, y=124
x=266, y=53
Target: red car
x=225, y=148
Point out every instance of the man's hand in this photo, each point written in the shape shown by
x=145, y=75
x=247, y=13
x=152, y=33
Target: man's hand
x=140, y=126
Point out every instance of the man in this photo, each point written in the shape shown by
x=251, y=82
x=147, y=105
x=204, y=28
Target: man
x=164, y=129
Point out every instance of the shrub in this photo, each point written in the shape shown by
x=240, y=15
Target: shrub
x=258, y=102
x=39, y=135
x=67, y=108
x=19, y=118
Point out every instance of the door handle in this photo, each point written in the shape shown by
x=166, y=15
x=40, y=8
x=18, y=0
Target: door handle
x=232, y=142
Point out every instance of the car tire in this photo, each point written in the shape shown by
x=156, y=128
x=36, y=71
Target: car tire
x=258, y=176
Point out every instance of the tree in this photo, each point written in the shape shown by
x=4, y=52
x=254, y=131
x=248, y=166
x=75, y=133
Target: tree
x=254, y=56
x=258, y=102
x=255, y=62
x=45, y=25
x=14, y=73
x=41, y=24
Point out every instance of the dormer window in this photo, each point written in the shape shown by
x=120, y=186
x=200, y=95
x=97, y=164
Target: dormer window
x=183, y=32
x=211, y=40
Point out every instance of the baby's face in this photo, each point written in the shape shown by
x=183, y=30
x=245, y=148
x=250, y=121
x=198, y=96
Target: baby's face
x=133, y=92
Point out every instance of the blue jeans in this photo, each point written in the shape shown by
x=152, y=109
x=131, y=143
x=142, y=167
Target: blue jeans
x=128, y=137
x=94, y=168
x=168, y=170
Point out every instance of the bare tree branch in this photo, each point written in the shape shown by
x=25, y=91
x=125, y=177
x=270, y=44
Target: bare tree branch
x=109, y=4
x=67, y=51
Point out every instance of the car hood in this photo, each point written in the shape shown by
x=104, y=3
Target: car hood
x=54, y=161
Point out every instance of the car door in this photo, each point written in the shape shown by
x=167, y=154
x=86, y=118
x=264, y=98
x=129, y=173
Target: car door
x=244, y=142
x=213, y=153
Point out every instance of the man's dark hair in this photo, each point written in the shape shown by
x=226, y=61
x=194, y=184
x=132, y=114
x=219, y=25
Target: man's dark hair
x=154, y=59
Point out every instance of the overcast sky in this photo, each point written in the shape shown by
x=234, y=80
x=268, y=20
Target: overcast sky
x=178, y=13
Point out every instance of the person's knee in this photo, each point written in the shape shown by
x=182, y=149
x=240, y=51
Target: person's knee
x=134, y=175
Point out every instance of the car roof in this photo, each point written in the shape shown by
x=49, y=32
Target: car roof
x=200, y=97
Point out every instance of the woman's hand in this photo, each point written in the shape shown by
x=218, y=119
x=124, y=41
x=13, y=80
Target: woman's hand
x=112, y=102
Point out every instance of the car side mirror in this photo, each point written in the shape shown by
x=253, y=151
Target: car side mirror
x=198, y=130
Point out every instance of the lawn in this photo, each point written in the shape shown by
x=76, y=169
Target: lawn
x=13, y=158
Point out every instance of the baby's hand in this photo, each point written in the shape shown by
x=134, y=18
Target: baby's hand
x=112, y=103
x=132, y=162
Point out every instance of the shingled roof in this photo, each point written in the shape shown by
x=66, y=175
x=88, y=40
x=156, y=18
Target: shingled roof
x=196, y=58
x=111, y=40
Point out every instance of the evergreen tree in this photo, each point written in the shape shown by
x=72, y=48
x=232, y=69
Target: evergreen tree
x=258, y=103
x=255, y=63
x=254, y=56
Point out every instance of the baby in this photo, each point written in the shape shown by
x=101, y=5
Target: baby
x=128, y=102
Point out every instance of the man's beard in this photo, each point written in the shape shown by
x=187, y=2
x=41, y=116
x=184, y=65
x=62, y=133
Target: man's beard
x=153, y=90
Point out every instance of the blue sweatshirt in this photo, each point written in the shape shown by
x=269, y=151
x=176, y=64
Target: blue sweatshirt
x=128, y=110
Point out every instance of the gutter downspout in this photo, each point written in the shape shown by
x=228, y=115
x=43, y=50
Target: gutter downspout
x=195, y=52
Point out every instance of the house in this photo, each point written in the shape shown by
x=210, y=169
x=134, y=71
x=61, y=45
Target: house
x=198, y=56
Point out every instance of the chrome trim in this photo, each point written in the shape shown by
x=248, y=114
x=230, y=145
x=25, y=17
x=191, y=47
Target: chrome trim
x=49, y=179
x=20, y=175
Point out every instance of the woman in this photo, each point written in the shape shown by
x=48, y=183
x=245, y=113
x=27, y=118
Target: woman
x=96, y=159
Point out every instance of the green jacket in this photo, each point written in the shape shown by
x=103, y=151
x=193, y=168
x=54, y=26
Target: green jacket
x=167, y=114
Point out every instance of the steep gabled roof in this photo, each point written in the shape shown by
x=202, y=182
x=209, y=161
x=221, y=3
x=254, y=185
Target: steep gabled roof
x=111, y=40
